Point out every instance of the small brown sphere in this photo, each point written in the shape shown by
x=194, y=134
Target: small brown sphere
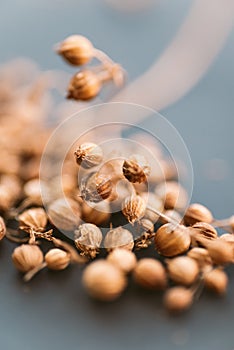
x=178, y=299
x=97, y=214
x=196, y=213
x=26, y=257
x=96, y=187
x=221, y=252
x=84, y=85
x=202, y=231
x=183, y=270
x=150, y=273
x=118, y=238
x=57, y=259
x=217, y=281
x=76, y=50
x=35, y=218
x=103, y=280
x=134, y=208
x=124, y=259
x=201, y=256
x=171, y=241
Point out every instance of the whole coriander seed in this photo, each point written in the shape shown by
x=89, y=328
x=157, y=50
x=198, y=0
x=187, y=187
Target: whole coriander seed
x=26, y=257
x=34, y=218
x=88, y=238
x=95, y=187
x=178, y=299
x=84, y=86
x=76, y=50
x=201, y=256
x=172, y=194
x=64, y=214
x=124, y=259
x=97, y=214
x=134, y=208
x=221, y=252
x=172, y=240
x=203, y=230
x=228, y=237
x=103, y=280
x=136, y=168
x=57, y=259
x=145, y=228
x=183, y=270
x=2, y=228
x=118, y=238
x=196, y=213
x=217, y=281
x=150, y=273
x=88, y=155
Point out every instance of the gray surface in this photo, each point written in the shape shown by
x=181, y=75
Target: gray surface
x=53, y=312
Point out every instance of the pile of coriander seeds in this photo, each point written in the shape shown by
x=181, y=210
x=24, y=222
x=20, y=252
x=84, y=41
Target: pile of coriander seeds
x=189, y=254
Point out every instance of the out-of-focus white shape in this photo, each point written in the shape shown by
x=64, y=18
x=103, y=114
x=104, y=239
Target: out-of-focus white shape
x=131, y=5
x=186, y=59
x=217, y=169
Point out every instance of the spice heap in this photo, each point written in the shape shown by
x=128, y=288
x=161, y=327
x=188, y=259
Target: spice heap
x=189, y=254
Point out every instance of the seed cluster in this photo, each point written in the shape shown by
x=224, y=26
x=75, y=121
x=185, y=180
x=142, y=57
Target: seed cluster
x=189, y=253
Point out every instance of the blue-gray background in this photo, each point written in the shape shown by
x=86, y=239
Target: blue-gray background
x=53, y=312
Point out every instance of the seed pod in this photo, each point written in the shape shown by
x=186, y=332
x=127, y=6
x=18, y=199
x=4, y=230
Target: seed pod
x=173, y=214
x=26, y=257
x=228, y=237
x=178, y=299
x=203, y=230
x=171, y=241
x=183, y=270
x=2, y=228
x=221, y=252
x=97, y=214
x=34, y=218
x=88, y=155
x=57, y=259
x=10, y=191
x=88, y=238
x=136, y=168
x=196, y=213
x=154, y=202
x=64, y=214
x=217, y=281
x=151, y=274
x=124, y=259
x=172, y=194
x=103, y=280
x=76, y=50
x=201, y=256
x=84, y=86
x=134, y=208
x=118, y=238
x=95, y=187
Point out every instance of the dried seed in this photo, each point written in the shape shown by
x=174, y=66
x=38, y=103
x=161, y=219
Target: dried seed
x=173, y=195
x=88, y=155
x=217, y=281
x=26, y=257
x=151, y=274
x=103, y=280
x=124, y=259
x=97, y=214
x=172, y=240
x=183, y=270
x=196, y=213
x=178, y=299
x=84, y=86
x=119, y=238
x=134, y=208
x=34, y=218
x=201, y=256
x=88, y=238
x=203, y=230
x=95, y=187
x=57, y=259
x=136, y=168
x=64, y=214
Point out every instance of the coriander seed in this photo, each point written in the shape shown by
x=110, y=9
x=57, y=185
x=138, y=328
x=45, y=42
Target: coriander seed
x=150, y=273
x=26, y=257
x=97, y=214
x=134, y=208
x=76, y=50
x=172, y=240
x=118, y=238
x=172, y=194
x=84, y=86
x=88, y=238
x=88, y=155
x=136, y=168
x=216, y=281
x=64, y=214
x=34, y=218
x=103, y=280
x=57, y=259
x=196, y=213
x=203, y=230
x=178, y=299
x=95, y=187
x=183, y=270
x=201, y=256
x=124, y=259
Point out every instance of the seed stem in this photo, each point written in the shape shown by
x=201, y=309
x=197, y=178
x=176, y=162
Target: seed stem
x=162, y=215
